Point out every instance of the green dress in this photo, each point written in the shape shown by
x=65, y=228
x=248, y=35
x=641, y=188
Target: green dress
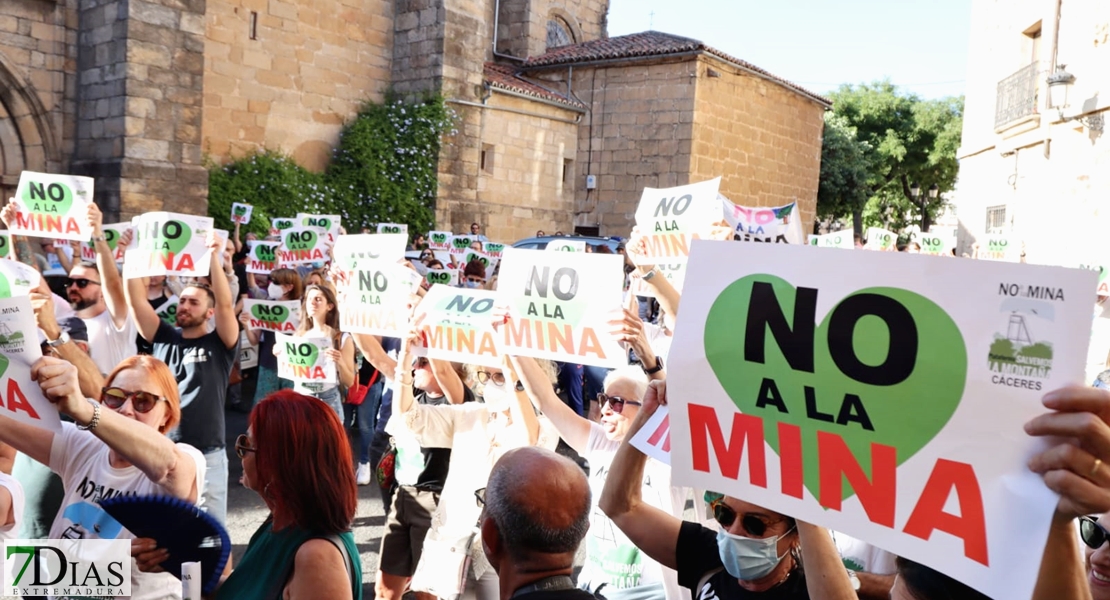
x=269, y=557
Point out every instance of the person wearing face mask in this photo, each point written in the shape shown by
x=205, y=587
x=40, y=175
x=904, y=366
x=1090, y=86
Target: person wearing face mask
x=474, y=275
x=755, y=553
x=284, y=285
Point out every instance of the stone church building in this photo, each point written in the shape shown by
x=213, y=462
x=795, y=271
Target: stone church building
x=560, y=126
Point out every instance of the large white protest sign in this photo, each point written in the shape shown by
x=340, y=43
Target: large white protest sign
x=304, y=359
x=458, y=326
x=19, y=349
x=376, y=298
x=112, y=235
x=17, y=279
x=349, y=250
x=52, y=206
x=241, y=213
x=881, y=240
x=1000, y=247
x=836, y=239
x=169, y=244
x=561, y=304
x=670, y=218
x=881, y=395
x=273, y=315
x=439, y=240
x=780, y=224
x=302, y=246
x=394, y=228
x=262, y=257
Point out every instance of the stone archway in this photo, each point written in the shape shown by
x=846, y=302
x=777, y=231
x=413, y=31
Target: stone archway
x=27, y=140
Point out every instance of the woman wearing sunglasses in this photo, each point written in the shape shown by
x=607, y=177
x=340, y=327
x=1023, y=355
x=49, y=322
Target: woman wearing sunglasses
x=117, y=446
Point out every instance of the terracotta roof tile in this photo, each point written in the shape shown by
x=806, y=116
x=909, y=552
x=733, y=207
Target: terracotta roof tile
x=506, y=77
x=645, y=45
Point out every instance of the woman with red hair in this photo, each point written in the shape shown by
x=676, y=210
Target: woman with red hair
x=296, y=456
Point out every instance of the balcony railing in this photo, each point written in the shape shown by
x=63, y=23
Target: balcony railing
x=1017, y=96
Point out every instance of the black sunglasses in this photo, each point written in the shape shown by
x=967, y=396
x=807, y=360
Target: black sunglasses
x=752, y=524
x=615, y=402
x=1093, y=534
x=242, y=445
x=81, y=283
x=115, y=397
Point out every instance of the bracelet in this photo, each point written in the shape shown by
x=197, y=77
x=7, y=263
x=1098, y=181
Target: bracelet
x=95, y=420
x=99, y=238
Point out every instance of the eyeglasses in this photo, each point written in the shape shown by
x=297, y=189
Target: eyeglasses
x=485, y=376
x=754, y=525
x=1093, y=534
x=615, y=402
x=242, y=445
x=81, y=283
x=480, y=497
x=143, y=402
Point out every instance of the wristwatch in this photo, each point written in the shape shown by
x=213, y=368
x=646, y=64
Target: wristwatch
x=647, y=276
x=99, y=238
x=62, y=339
x=854, y=579
x=658, y=366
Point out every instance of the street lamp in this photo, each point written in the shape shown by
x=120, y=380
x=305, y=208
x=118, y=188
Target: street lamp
x=1059, y=84
x=915, y=193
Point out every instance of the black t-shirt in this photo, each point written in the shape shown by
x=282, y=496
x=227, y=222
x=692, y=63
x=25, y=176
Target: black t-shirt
x=141, y=345
x=573, y=594
x=697, y=554
x=436, y=460
x=202, y=367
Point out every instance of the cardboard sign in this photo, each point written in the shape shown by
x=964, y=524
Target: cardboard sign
x=241, y=213
x=440, y=240
x=169, y=244
x=561, y=305
x=168, y=311
x=654, y=438
x=302, y=246
x=670, y=218
x=493, y=250
x=273, y=315
x=376, y=298
x=447, y=277
x=262, y=257
x=394, y=228
x=304, y=359
x=280, y=224
x=349, y=250
x=780, y=225
x=881, y=240
x=1000, y=248
x=458, y=326
x=836, y=239
x=112, y=235
x=879, y=395
x=17, y=279
x=7, y=250
x=19, y=349
x=52, y=206
x=566, y=246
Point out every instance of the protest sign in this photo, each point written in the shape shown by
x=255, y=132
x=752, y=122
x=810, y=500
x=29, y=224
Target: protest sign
x=52, y=206
x=376, y=298
x=327, y=224
x=881, y=395
x=669, y=218
x=489, y=264
x=440, y=240
x=112, y=235
x=19, y=349
x=273, y=315
x=6, y=248
x=458, y=326
x=169, y=244
x=781, y=224
x=262, y=257
x=654, y=438
x=566, y=246
x=1103, y=288
x=241, y=213
x=561, y=305
x=280, y=224
x=447, y=277
x=940, y=241
x=1000, y=247
x=493, y=250
x=301, y=246
x=304, y=359
x=352, y=249
x=168, y=311
x=836, y=239
x=881, y=240
x=394, y=228
x=17, y=279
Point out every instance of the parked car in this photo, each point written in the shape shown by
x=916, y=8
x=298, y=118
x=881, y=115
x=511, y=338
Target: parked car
x=540, y=243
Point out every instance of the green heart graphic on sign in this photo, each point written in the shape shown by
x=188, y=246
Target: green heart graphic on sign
x=303, y=355
x=439, y=238
x=495, y=248
x=264, y=253
x=173, y=236
x=272, y=314
x=50, y=198
x=461, y=243
x=885, y=366
x=169, y=314
x=5, y=286
x=5, y=247
x=240, y=211
x=111, y=236
x=4, y=362
x=283, y=223
x=438, y=277
x=301, y=240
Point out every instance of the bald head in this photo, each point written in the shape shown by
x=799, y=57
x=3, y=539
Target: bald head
x=540, y=503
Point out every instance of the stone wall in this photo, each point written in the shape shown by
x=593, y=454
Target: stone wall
x=762, y=138
x=418, y=31
x=311, y=64
x=522, y=27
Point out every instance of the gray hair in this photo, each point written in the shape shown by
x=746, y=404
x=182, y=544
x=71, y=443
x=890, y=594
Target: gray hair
x=522, y=527
x=634, y=374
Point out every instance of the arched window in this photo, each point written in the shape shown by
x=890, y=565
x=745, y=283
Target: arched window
x=558, y=33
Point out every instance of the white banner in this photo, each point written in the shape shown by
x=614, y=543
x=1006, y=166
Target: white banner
x=781, y=224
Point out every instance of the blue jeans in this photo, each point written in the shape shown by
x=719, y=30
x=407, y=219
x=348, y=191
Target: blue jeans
x=367, y=416
x=215, y=485
x=331, y=398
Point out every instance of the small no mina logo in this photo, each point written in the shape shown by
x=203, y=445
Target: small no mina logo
x=67, y=568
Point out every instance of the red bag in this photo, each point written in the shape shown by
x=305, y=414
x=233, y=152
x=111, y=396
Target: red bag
x=357, y=392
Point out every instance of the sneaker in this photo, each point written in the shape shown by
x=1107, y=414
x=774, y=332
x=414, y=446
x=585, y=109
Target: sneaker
x=362, y=476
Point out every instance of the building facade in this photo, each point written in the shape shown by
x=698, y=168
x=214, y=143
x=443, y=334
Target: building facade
x=1031, y=167
x=559, y=126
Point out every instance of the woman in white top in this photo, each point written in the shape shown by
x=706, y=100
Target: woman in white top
x=320, y=318
x=117, y=447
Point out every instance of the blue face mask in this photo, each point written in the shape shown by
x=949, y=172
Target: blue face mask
x=748, y=558
x=473, y=284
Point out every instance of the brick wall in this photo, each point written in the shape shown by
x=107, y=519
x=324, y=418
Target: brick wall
x=762, y=138
x=312, y=64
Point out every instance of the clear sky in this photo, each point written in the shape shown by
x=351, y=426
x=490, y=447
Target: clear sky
x=920, y=45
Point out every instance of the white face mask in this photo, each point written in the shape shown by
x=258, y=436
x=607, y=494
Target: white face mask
x=497, y=397
x=274, y=291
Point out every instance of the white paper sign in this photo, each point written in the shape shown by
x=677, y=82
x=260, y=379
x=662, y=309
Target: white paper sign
x=447, y=277
x=780, y=224
x=881, y=395
x=349, y=250
x=561, y=305
x=303, y=359
x=283, y=316
x=440, y=240
x=670, y=218
x=19, y=349
x=262, y=257
x=376, y=298
x=52, y=206
x=401, y=228
x=112, y=235
x=654, y=438
x=169, y=244
x=836, y=239
x=302, y=246
x=1000, y=248
x=241, y=213
x=458, y=326
x=881, y=240
x=17, y=279
x=280, y=224
x=566, y=246
x=168, y=310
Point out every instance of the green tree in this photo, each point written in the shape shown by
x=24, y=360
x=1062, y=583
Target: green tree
x=902, y=139
x=844, y=172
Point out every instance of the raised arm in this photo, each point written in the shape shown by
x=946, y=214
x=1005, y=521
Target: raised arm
x=146, y=320
x=826, y=577
x=227, y=326
x=521, y=410
x=449, y=381
x=111, y=280
x=574, y=429
x=89, y=376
